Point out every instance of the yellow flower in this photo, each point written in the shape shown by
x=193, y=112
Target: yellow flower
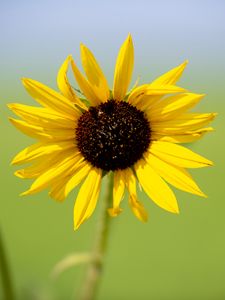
x=135, y=135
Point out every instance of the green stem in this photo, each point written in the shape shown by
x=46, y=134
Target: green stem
x=95, y=268
x=5, y=273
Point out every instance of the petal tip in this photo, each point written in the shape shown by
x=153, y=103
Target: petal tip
x=210, y=163
x=114, y=212
x=69, y=57
x=13, y=162
x=200, y=96
x=25, y=193
x=75, y=228
x=25, y=80
x=145, y=219
x=175, y=210
x=82, y=47
x=203, y=195
x=11, y=120
x=10, y=105
x=76, y=225
x=129, y=37
x=18, y=174
x=200, y=193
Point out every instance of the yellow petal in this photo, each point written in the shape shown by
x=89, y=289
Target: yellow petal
x=136, y=206
x=43, y=163
x=83, y=170
x=57, y=190
x=87, y=197
x=32, y=171
x=52, y=173
x=163, y=90
x=123, y=69
x=41, y=116
x=172, y=76
x=47, y=134
x=64, y=85
x=50, y=99
x=118, y=192
x=114, y=212
x=138, y=97
x=146, y=95
x=182, y=123
x=155, y=187
x=137, y=93
x=37, y=168
x=170, y=107
x=30, y=130
x=94, y=73
x=61, y=190
x=186, y=137
x=176, y=176
x=39, y=150
x=130, y=181
x=178, y=155
x=85, y=86
x=26, y=154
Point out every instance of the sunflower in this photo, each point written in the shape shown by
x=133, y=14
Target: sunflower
x=135, y=135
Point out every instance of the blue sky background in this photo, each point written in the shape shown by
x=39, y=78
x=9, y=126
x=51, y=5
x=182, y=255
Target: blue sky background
x=36, y=34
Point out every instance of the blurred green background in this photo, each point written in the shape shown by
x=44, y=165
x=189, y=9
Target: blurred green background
x=169, y=258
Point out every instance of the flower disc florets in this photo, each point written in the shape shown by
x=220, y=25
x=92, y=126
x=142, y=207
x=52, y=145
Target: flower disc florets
x=113, y=135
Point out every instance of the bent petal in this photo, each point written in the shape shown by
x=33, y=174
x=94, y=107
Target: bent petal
x=145, y=96
x=80, y=173
x=64, y=85
x=85, y=86
x=61, y=168
x=40, y=150
x=136, y=206
x=62, y=188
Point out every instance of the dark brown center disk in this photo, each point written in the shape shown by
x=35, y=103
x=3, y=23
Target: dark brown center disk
x=113, y=135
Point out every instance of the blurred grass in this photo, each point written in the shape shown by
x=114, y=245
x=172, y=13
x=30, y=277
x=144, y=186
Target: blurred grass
x=170, y=257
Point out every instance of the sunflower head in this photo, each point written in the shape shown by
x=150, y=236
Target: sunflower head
x=113, y=135
x=136, y=135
